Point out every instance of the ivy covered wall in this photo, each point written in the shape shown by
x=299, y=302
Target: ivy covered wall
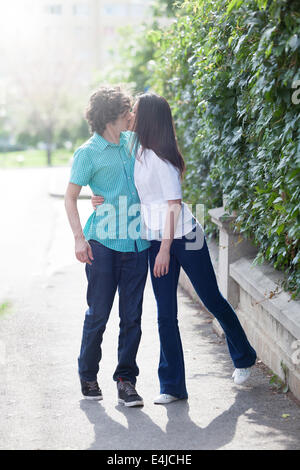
x=230, y=72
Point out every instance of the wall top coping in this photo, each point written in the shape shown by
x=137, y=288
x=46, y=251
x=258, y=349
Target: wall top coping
x=220, y=216
x=262, y=283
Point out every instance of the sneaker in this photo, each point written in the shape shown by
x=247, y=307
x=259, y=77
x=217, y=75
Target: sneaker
x=164, y=398
x=127, y=394
x=241, y=375
x=91, y=390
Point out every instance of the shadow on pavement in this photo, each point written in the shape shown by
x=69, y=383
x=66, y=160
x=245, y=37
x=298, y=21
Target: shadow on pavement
x=181, y=432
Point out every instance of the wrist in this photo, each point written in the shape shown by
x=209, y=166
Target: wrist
x=165, y=247
x=79, y=237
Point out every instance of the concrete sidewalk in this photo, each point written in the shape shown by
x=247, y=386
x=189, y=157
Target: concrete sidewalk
x=41, y=405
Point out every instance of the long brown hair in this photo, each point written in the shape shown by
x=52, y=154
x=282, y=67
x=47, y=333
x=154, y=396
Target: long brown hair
x=154, y=129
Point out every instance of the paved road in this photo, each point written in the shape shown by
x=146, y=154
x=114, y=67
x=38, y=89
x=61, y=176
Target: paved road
x=41, y=406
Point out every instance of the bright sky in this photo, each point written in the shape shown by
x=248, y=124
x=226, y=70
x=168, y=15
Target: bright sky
x=18, y=21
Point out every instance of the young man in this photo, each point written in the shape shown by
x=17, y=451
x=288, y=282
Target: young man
x=110, y=245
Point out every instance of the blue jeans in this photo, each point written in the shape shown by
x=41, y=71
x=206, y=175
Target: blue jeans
x=111, y=270
x=198, y=267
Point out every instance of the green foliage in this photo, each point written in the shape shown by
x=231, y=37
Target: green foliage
x=5, y=307
x=133, y=70
x=166, y=7
x=137, y=48
x=228, y=69
x=79, y=131
x=139, y=54
x=279, y=384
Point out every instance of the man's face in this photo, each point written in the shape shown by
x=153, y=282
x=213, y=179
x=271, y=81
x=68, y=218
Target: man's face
x=123, y=123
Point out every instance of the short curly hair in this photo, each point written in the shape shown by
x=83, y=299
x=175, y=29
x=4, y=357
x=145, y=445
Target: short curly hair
x=105, y=105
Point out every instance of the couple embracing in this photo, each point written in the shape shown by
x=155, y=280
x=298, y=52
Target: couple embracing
x=134, y=168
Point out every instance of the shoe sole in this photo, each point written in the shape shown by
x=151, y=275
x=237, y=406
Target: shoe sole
x=93, y=398
x=158, y=402
x=130, y=404
x=241, y=383
x=164, y=402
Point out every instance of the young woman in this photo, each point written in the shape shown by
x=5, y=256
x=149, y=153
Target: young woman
x=177, y=240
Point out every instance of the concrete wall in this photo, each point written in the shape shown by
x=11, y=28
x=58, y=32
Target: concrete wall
x=270, y=318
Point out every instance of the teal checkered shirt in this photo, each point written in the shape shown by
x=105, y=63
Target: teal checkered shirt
x=109, y=171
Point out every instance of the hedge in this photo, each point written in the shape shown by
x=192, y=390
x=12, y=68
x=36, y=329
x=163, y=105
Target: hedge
x=228, y=70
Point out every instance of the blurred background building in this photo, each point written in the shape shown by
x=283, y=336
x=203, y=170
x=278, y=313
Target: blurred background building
x=50, y=54
x=82, y=30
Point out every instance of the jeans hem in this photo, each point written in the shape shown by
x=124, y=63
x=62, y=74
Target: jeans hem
x=244, y=364
x=174, y=394
x=87, y=380
x=126, y=379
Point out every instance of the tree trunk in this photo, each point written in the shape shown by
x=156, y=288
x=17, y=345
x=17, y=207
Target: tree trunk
x=49, y=155
x=49, y=144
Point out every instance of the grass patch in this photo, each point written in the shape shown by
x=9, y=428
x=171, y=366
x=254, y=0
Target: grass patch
x=4, y=307
x=276, y=382
x=34, y=158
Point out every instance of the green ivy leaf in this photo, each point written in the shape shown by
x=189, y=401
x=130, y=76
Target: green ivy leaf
x=280, y=229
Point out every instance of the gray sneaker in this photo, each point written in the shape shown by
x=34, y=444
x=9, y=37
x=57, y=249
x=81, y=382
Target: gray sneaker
x=127, y=394
x=91, y=390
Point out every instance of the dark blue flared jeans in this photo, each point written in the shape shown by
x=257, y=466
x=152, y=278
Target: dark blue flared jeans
x=197, y=264
x=111, y=270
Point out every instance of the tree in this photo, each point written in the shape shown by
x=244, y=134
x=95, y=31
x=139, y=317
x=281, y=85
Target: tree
x=46, y=84
x=166, y=7
x=45, y=98
x=132, y=61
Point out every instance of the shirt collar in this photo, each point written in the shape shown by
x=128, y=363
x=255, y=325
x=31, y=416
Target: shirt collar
x=103, y=143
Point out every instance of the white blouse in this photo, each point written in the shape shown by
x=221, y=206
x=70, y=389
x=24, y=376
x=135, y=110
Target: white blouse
x=157, y=182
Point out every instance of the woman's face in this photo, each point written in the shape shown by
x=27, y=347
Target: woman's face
x=135, y=107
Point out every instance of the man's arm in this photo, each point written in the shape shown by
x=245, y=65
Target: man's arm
x=83, y=250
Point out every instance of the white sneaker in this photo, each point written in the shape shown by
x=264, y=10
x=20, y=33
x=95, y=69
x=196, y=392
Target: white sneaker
x=164, y=398
x=241, y=375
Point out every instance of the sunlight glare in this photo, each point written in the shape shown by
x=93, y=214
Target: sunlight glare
x=19, y=23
